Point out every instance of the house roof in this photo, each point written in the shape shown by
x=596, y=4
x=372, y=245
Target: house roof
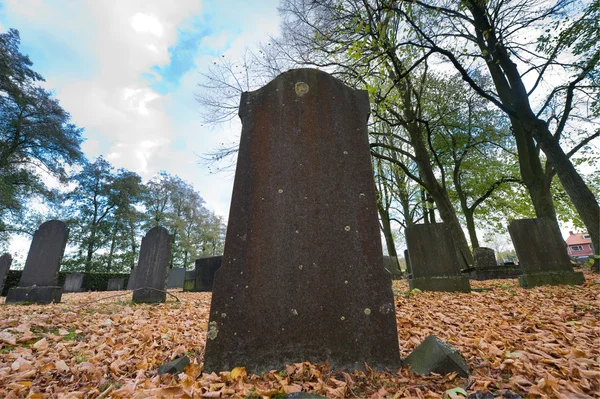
x=577, y=239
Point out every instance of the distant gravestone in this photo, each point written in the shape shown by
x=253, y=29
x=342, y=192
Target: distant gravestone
x=302, y=276
x=73, y=282
x=39, y=279
x=542, y=253
x=484, y=258
x=5, y=262
x=115, y=284
x=176, y=277
x=151, y=272
x=132, y=280
x=391, y=264
x=433, y=259
x=485, y=266
x=203, y=277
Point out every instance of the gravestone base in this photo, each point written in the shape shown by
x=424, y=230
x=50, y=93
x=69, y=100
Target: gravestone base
x=440, y=284
x=146, y=295
x=531, y=280
x=40, y=295
x=493, y=273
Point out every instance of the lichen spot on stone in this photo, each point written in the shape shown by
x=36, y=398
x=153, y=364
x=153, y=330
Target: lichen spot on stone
x=213, y=330
x=280, y=191
x=223, y=315
x=294, y=312
x=345, y=152
x=342, y=318
x=347, y=228
x=300, y=267
x=346, y=282
x=301, y=89
x=367, y=311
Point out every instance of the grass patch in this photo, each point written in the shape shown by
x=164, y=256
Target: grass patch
x=6, y=349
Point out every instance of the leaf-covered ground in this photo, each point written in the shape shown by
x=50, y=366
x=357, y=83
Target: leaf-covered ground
x=542, y=342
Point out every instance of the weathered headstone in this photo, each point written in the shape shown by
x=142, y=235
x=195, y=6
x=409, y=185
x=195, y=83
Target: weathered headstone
x=435, y=356
x=115, y=284
x=39, y=279
x=151, y=272
x=175, y=277
x=485, y=267
x=5, y=262
x=203, y=277
x=433, y=259
x=542, y=253
x=484, y=258
x=73, y=282
x=302, y=276
x=391, y=264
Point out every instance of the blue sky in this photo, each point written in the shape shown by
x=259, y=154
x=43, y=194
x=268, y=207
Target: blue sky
x=127, y=72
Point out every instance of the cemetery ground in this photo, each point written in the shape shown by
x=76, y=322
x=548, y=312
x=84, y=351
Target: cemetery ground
x=540, y=342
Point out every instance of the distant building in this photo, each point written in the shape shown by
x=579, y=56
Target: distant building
x=579, y=244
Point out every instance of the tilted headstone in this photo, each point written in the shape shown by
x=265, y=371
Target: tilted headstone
x=175, y=277
x=433, y=259
x=151, y=272
x=391, y=264
x=5, y=262
x=302, y=276
x=542, y=253
x=203, y=277
x=73, y=282
x=39, y=279
x=115, y=284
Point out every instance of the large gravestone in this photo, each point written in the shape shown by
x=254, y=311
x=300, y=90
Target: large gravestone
x=176, y=277
x=151, y=272
x=73, y=282
x=115, y=284
x=5, y=262
x=433, y=259
x=302, y=276
x=542, y=253
x=39, y=279
x=203, y=277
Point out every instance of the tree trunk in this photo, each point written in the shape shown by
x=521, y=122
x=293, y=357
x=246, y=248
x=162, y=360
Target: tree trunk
x=90, y=249
x=471, y=227
x=113, y=243
x=133, y=244
x=387, y=230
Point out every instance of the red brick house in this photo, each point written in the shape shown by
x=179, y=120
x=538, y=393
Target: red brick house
x=579, y=244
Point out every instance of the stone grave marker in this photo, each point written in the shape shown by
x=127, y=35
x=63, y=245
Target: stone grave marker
x=302, y=276
x=175, y=277
x=151, y=272
x=203, y=277
x=5, y=262
x=73, y=282
x=433, y=259
x=542, y=254
x=115, y=284
x=39, y=279
x=485, y=266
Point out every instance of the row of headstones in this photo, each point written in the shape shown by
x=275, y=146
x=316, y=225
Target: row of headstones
x=38, y=282
x=543, y=257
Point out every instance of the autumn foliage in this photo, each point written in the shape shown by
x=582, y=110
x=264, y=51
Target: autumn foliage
x=542, y=342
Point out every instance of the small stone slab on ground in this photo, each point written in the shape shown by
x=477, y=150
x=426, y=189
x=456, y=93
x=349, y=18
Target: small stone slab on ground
x=175, y=366
x=435, y=356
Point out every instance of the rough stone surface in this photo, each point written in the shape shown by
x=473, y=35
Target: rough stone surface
x=42, y=265
x=484, y=258
x=175, y=278
x=73, y=282
x=542, y=251
x=151, y=273
x=302, y=276
x=115, y=284
x=433, y=259
x=435, y=356
x=132, y=280
x=390, y=263
x=175, y=366
x=43, y=295
x=5, y=262
x=203, y=277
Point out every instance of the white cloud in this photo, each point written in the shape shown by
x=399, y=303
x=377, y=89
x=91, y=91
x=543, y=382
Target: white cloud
x=145, y=23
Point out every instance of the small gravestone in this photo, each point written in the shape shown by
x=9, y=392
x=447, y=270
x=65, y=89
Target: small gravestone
x=132, y=280
x=115, y=284
x=175, y=366
x=73, y=282
x=542, y=253
x=484, y=258
x=176, y=277
x=203, y=277
x=151, y=272
x=485, y=267
x=39, y=279
x=302, y=276
x=5, y=262
x=435, y=356
x=433, y=259
x=391, y=264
